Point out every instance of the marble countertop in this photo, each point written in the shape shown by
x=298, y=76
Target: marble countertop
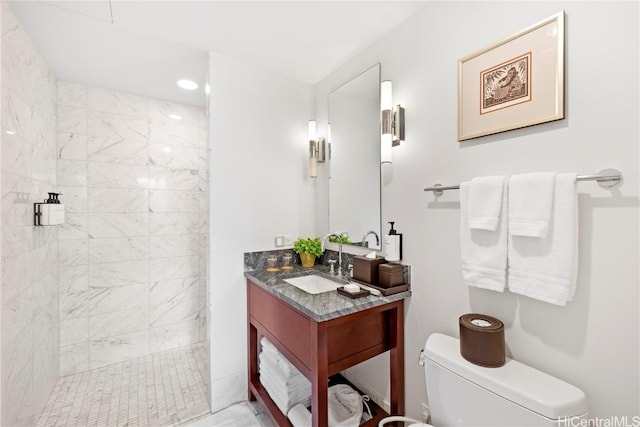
x=320, y=307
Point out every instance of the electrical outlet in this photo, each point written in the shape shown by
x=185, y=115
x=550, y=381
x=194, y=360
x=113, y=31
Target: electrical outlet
x=283, y=240
x=426, y=413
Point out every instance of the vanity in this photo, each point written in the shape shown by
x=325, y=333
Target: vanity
x=321, y=335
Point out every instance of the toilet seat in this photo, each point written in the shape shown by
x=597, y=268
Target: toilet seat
x=398, y=418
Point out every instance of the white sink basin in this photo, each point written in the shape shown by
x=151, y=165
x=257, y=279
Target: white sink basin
x=313, y=284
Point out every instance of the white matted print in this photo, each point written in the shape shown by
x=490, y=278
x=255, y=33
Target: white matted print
x=515, y=83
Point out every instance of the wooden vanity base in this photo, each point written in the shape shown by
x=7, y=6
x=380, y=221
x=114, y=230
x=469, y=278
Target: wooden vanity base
x=321, y=349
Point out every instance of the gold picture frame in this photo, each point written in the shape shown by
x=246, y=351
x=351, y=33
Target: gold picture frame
x=514, y=83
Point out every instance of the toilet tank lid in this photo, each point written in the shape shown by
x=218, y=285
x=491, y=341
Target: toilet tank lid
x=515, y=381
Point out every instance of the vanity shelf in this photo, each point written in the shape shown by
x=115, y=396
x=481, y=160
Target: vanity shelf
x=322, y=348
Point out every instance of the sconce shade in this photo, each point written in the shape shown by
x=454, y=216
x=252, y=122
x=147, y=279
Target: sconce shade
x=386, y=102
x=313, y=166
x=386, y=121
x=312, y=130
x=391, y=122
x=316, y=150
x=385, y=148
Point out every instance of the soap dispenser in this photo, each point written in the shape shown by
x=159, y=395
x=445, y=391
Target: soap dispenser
x=393, y=245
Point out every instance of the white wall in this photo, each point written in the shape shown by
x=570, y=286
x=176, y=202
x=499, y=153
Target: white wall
x=258, y=189
x=29, y=261
x=593, y=342
x=134, y=238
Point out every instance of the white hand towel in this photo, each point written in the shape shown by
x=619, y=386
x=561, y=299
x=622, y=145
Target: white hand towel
x=530, y=203
x=484, y=253
x=546, y=268
x=485, y=202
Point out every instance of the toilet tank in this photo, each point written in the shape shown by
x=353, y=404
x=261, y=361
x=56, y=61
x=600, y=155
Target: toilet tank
x=464, y=394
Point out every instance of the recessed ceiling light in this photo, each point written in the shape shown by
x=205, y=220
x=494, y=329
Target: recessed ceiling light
x=175, y=117
x=187, y=84
x=10, y=132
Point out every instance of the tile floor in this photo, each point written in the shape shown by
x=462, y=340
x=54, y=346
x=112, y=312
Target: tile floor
x=244, y=414
x=162, y=389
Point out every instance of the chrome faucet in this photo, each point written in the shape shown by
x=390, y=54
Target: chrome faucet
x=365, y=244
x=324, y=241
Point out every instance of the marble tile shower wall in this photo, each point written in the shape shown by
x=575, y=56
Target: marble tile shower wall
x=29, y=262
x=133, y=249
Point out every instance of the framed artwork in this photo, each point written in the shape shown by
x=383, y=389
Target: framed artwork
x=514, y=83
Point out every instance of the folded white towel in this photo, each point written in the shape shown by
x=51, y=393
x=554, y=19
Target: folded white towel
x=546, y=268
x=283, y=363
x=285, y=393
x=283, y=370
x=282, y=400
x=485, y=202
x=530, y=203
x=293, y=390
x=484, y=253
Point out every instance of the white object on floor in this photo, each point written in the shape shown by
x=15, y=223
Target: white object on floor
x=344, y=406
x=546, y=269
x=242, y=414
x=396, y=418
x=483, y=252
x=485, y=202
x=530, y=203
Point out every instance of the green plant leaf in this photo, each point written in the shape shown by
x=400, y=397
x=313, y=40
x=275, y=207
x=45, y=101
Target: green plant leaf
x=310, y=245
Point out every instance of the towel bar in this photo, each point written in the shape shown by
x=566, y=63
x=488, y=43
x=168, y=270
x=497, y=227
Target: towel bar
x=606, y=178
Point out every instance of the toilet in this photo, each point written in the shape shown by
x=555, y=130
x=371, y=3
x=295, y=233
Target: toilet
x=463, y=394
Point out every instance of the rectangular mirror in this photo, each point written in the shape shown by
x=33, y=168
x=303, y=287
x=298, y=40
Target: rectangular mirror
x=354, y=182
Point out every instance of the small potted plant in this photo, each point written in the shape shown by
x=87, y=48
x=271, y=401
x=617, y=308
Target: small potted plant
x=308, y=249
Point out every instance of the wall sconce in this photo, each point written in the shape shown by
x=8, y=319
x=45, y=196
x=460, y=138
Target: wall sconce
x=316, y=150
x=391, y=122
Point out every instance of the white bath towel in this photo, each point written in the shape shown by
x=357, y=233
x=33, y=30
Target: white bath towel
x=278, y=394
x=280, y=397
x=484, y=252
x=546, y=268
x=530, y=203
x=485, y=202
x=289, y=372
x=290, y=385
x=278, y=358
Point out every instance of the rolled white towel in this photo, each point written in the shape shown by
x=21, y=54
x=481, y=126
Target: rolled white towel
x=299, y=416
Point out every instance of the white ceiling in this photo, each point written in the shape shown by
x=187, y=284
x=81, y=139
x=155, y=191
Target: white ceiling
x=145, y=46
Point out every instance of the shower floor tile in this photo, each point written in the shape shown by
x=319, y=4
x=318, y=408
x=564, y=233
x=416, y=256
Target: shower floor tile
x=162, y=389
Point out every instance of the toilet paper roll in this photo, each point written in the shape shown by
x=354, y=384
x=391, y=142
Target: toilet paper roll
x=482, y=340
